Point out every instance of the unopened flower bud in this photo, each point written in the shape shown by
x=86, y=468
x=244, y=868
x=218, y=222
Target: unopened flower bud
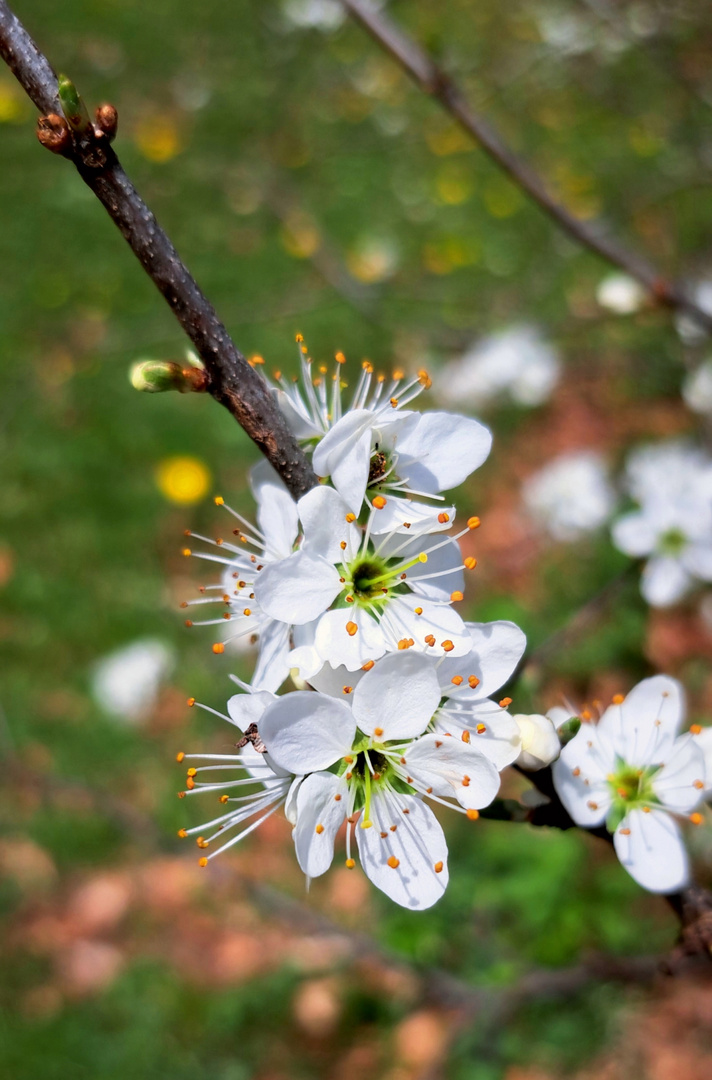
x=107, y=118
x=157, y=376
x=568, y=729
x=53, y=132
x=73, y=106
x=540, y=743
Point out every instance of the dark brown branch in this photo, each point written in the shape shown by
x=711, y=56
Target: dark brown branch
x=232, y=381
x=440, y=86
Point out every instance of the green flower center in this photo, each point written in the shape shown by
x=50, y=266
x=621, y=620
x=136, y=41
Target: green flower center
x=672, y=542
x=631, y=789
x=369, y=580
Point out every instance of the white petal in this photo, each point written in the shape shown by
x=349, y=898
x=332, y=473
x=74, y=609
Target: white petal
x=500, y=741
x=297, y=589
x=304, y=731
x=321, y=809
x=344, y=454
x=417, y=843
x=401, y=621
x=306, y=660
x=680, y=784
x=337, y=646
x=273, y=662
x=246, y=709
x=452, y=768
x=643, y=728
x=653, y=852
x=323, y=512
x=396, y=699
x=497, y=648
x=442, y=451
x=448, y=557
x=331, y=680
x=540, y=743
x=697, y=559
x=276, y=516
x=580, y=779
x=290, y=805
x=704, y=741
x=411, y=519
x=636, y=534
x=664, y=581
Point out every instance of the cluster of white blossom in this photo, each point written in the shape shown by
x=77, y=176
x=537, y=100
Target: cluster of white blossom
x=672, y=526
x=353, y=591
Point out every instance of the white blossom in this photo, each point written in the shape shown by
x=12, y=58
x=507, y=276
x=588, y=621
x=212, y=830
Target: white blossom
x=633, y=772
x=571, y=495
x=688, y=327
x=126, y=682
x=358, y=593
x=697, y=389
x=539, y=741
x=621, y=294
x=516, y=362
x=377, y=444
x=369, y=760
x=323, y=15
x=673, y=524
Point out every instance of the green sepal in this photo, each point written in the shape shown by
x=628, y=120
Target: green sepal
x=568, y=729
x=73, y=106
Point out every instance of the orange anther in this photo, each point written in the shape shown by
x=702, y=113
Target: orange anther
x=342, y=545
x=351, y=628
x=187, y=552
x=699, y=784
x=203, y=862
x=379, y=502
x=319, y=830
x=224, y=799
x=618, y=699
x=625, y=832
x=480, y=729
x=418, y=610
x=393, y=862
x=346, y=689
x=190, y=783
x=696, y=818
x=465, y=736
x=695, y=729
x=456, y=680
x=350, y=517
x=182, y=833
x=473, y=523
x=188, y=623
x=473, y=814
x=378, y=731
x=350, y=864
x=438, y=868
x=368, y=665
x=505, y=702
x=442, y=518
x=447, y=645
x=456, y=596
x=429, y=639
x=473, y=682
x=179, y=756
x=470, y=562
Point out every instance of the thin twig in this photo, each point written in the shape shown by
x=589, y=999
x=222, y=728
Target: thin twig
x=421, y=67
x=232, y=381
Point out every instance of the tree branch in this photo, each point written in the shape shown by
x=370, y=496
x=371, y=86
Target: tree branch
x=439, y=85
x=232, y=381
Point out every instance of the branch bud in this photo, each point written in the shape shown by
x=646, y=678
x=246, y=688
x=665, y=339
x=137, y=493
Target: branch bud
x=53, y=132
x=107, y=119
x=157, y=376
x=73, y=106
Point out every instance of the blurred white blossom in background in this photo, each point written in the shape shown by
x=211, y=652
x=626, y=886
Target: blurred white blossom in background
x=687, y=326
x=571, y=495
x=319, y=14
x=516, y=363
x=125, y=683
x=697, y=388
x=620, y=294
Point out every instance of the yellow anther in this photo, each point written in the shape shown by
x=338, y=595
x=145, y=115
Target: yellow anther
x=393, y=862
x=182, y=833
x=203, y=862
x=367, y=824
x=349, y=760
x=350, y=517
x=398, y=374
x=187, y=552
x=340, y=358
x=394, y=402
x=188, y=623
x=473, y=523
x=247, y=611
x=319, y=830
x=368, y=665
x=192, y=771
x=424, y=379
x=224, y=799
x=480, y=729
x=299, y=338
x=350, y=864
x=423, y=557
x=342, y=545
x=418, y=610
x=179, y=756
x=367, y=366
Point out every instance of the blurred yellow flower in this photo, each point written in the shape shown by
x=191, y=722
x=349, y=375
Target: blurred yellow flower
x=13, y=107
x=183, y=480
x=158, y=138
x=300, y=236
x=454, y=183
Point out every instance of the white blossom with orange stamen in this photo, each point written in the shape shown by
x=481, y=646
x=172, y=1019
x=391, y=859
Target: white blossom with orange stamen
x=633, y=772
x=370, y=760
x=363, y=593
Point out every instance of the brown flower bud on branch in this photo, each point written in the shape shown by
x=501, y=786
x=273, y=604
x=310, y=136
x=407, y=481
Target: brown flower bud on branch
x=54, y=134
x=157, y=376
x=107, y=119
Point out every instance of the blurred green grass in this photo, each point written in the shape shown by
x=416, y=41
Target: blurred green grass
x=261, y=147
